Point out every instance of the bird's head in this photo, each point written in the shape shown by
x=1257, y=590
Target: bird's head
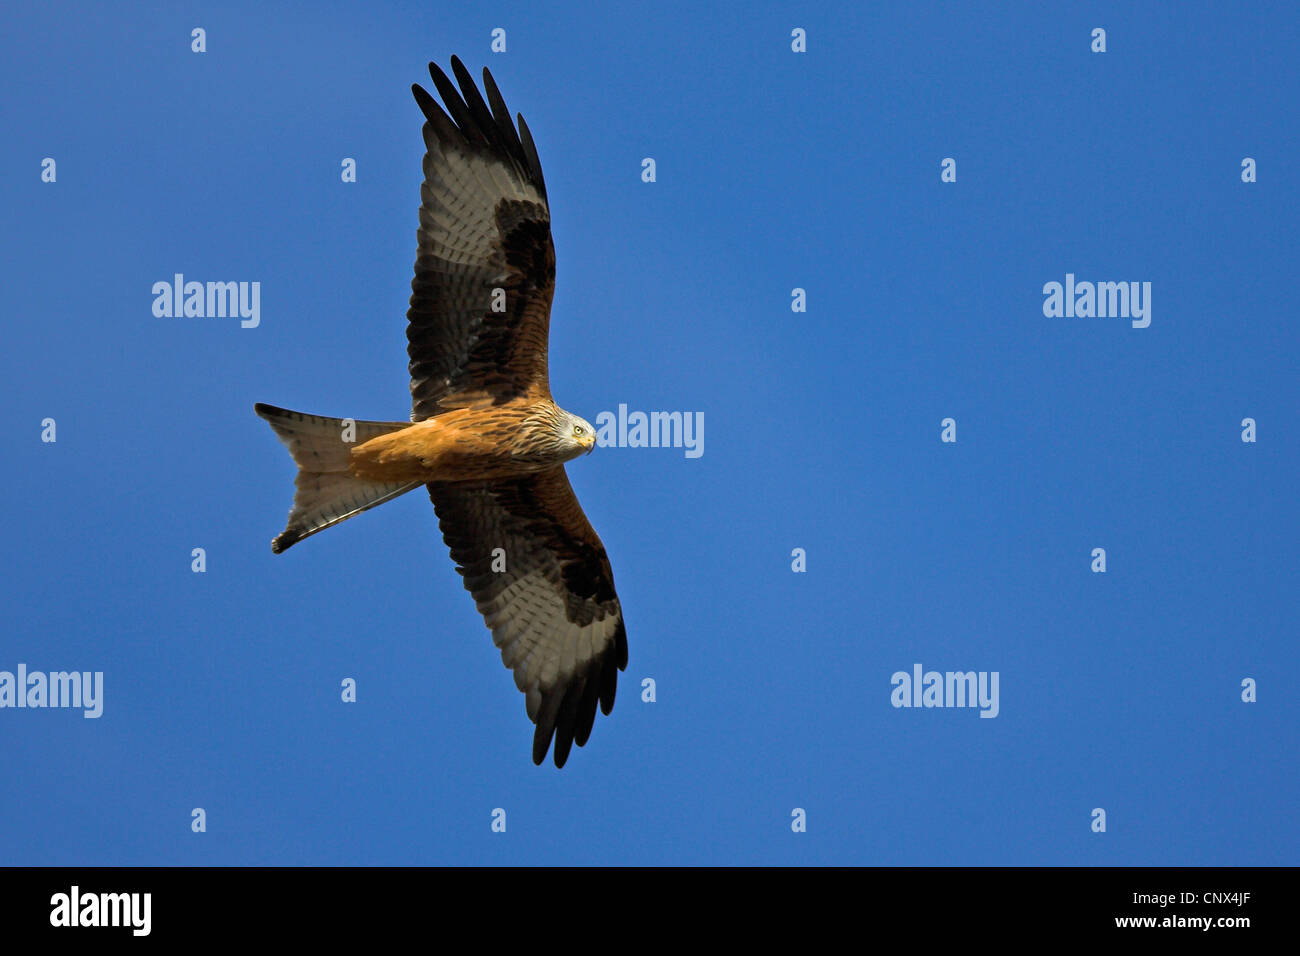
x=553, y=436
x=578, y=434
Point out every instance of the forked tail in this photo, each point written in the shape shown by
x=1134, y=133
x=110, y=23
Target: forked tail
x=326, y=492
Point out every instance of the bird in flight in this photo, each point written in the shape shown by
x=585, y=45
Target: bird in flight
x=485, y=437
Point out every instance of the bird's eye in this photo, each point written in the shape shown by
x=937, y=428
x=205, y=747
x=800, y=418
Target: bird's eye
x=577, y=429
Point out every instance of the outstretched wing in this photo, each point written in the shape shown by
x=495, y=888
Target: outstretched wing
x=485, y=267
x=547, y=595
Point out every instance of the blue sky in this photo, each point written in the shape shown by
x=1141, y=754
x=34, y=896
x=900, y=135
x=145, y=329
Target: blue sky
x=775, y=170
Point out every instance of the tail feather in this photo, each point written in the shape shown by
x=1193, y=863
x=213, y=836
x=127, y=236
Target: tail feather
x=326, y=492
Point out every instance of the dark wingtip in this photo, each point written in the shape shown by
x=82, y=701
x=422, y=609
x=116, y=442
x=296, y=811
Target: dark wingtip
x=567, y=721
x=530, y=153
x=614, y=662
x=423, y=100
x=467, y=120
x=620, y=641
x=284, y=541
x=586, y=712
x=540, y=745
x=608, y=689
x=561, y=754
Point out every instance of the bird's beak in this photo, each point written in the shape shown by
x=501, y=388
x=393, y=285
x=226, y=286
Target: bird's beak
x=590, y=442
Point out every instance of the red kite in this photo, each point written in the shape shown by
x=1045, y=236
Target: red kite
x=487, y=440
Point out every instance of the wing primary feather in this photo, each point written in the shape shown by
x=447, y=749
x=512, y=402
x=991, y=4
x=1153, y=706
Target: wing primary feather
x=567, y=720
x=587, y=710
x=551, y=702
x=428, y=105
x=608, y=687
x=541, y=744
x=503, y=121
x=456, y=107
x=443, y=127
x=610, y=669
x=620, y=645
x=478, y=109
x=530, y=153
